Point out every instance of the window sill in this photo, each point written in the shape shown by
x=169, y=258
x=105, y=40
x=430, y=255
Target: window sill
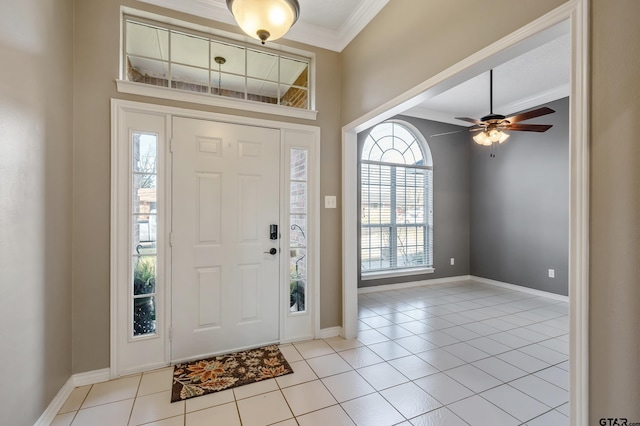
x=206, y=99
x=396, y=273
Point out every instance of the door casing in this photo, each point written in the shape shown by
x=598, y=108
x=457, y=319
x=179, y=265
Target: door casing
x=577, y=13
x=292, y=327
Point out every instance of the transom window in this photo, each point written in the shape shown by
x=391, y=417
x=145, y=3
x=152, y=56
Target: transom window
x=396, y=178
x=161, y=55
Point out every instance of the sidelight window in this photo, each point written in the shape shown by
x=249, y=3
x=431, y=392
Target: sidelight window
x=298, y=214
x=144, y=176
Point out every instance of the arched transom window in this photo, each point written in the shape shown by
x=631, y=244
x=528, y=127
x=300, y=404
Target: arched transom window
x=396, y=177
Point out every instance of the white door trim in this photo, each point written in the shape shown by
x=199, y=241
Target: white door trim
x=120, y=107
x=577, y=13
x=122, y=123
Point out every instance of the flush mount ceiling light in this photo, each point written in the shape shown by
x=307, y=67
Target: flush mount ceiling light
x=265, y=19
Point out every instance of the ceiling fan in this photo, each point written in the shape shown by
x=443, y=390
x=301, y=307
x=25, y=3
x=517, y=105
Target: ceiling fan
x=491, y=126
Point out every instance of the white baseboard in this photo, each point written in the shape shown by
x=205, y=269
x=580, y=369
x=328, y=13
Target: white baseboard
x=56, y=403
x=523, y=289
x=410, y=284
x=387, y=287
x=91, y=377
x=76, y=380
x=325, y=333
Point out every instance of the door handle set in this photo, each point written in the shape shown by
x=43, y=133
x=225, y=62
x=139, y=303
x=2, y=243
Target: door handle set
x=273, y=235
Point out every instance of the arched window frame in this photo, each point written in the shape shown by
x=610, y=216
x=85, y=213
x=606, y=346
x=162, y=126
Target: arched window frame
x=402, y=238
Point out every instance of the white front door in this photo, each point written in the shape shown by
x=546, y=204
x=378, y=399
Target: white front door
x=225, y=196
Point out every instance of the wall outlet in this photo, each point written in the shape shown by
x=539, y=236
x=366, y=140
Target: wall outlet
x=330, y=202
x=552, y=273
x=453, y=261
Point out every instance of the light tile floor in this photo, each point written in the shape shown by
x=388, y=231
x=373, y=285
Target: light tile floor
x=457, y=354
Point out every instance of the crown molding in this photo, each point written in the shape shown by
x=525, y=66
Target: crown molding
x=359, y=18
x=302, y=32
x=206, y=9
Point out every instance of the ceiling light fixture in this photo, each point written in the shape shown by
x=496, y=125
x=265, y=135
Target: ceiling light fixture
x=265, y=19
x=220, y=60
x=490, y=136
x=492, y=133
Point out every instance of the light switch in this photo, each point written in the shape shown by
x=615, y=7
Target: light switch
x=330, y=202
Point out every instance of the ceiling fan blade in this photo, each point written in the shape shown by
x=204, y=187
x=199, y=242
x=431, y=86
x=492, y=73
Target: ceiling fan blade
x=470, y=120
x=445, y=133
x=529, y=127
x=529, y=115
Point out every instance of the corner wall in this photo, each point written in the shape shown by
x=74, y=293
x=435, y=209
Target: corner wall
x=36, y=47
x=520, y=206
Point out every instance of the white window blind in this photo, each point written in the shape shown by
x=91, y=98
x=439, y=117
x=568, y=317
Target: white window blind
x=396, y=200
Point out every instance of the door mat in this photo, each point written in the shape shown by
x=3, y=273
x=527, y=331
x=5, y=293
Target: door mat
x=222, y=372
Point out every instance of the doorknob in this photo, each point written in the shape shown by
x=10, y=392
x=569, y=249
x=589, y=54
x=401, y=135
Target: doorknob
x=273, y=251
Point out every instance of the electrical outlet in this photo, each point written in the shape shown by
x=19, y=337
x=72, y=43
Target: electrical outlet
x=453, y=261
x=552, y=273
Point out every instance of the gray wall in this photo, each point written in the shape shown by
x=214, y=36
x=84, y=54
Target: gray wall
x=520, y=206
x=450, y=201
x=502, y=218
x=614, y=174
x=365, y=85
x=36, y=48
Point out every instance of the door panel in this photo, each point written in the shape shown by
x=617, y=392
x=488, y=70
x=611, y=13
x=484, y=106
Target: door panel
x=225, y=284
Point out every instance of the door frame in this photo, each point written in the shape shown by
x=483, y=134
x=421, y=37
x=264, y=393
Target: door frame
x=309, y=137
x=577, y=13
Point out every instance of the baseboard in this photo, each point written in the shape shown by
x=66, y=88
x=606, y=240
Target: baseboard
x=56, y=403
x=76, y=380
x=325, y=333
x=410, y=284
x=523, y=289
x=91, y=377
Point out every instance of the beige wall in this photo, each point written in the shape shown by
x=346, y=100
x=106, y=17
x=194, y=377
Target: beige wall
x=35, y=205
x=411, y=40
x=615, y=211
x=96, y=69
x=35, y=166
x=398, y=50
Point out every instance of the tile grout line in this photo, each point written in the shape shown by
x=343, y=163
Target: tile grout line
x=511, y=349
x=397, y=303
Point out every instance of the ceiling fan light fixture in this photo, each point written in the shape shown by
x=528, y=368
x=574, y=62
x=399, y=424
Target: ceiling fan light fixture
x=489, y=137
x=498, y=136
x=483, y=139
x=265, y=19
x=490, y=126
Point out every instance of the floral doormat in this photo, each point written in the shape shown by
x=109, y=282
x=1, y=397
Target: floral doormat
x=227, y=371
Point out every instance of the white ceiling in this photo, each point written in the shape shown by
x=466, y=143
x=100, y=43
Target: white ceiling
x=538, y=76
x=534, y=78
x=329, y=24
